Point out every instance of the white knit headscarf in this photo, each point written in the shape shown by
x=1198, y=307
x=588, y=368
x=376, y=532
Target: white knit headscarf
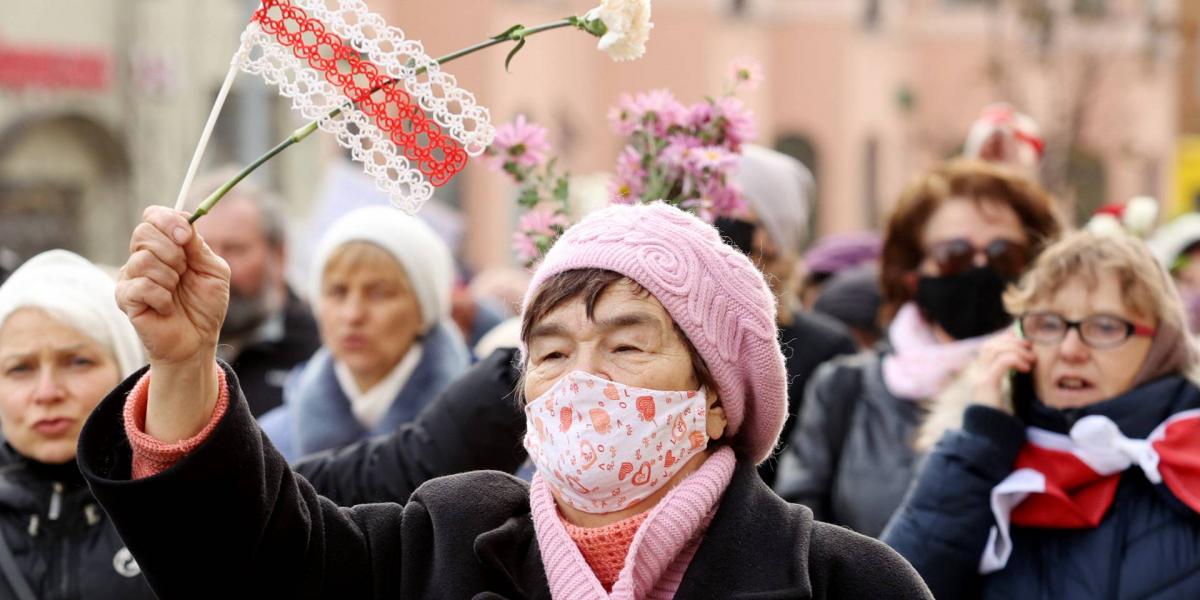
x=778, y=188
x=423, y=255
x=73, y=290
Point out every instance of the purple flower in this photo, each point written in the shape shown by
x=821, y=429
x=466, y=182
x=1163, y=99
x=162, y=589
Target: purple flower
x=710, y=159
x=658, y=110
x=701, y=115
x=520, y=142
x=738, y=121
x=725, y=198
x=676, y=156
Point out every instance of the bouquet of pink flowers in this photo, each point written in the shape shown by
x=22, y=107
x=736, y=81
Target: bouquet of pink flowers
x=522, y=150
x=685, y=155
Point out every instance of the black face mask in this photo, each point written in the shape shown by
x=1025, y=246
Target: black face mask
x=966, y=304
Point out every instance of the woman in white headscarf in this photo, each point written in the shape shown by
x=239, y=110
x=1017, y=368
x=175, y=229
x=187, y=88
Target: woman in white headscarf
x=381, y=283
x=63, y=345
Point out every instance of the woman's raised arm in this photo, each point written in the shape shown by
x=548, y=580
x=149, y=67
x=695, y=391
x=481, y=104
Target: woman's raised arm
x=175, y=291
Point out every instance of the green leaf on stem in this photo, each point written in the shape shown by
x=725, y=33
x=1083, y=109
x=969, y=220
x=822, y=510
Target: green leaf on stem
x=562, y=189
x=508, y=32
x=515, y=50
x=529, y=197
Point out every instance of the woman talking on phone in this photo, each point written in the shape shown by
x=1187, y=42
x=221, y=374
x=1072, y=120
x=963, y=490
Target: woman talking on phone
x=1074, y=474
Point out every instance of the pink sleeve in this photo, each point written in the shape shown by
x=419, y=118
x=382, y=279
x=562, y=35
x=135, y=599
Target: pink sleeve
x=151, y=456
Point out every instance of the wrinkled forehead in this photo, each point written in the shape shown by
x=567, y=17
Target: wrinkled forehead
x=621, y=305
x=1085, y=291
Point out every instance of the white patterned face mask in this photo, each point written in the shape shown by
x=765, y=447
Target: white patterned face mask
x=604, y=446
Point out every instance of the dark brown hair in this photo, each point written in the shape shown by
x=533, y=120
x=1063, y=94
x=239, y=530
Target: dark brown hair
x=590, y=284
x=968, y=179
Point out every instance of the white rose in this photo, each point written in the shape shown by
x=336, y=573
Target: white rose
x=628, y=24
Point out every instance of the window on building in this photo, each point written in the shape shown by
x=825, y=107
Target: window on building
x=802, y=148
x=872, y=14
x=1087, y=178
x=1090, y=8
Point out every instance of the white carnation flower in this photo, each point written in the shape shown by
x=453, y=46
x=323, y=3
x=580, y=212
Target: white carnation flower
x=628, y=27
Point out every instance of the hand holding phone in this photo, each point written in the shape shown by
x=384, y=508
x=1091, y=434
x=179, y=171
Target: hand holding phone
x=999, y=359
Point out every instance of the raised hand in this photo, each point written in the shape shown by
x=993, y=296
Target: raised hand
x=175, y=290
x=998, y=358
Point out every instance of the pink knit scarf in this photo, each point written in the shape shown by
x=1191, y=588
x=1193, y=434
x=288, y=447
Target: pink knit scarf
x=921, y=365
x=661, y=551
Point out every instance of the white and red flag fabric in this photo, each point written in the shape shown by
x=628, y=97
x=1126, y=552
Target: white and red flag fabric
x=1069, y=481
x=403, y=117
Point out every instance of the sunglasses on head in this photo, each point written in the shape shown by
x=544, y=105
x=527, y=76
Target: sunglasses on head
x=1005, y=257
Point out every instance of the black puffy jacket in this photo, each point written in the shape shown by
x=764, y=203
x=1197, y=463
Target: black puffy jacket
x=810, y=341
x=851, y=459
x=63, y=544
x=1147, y=546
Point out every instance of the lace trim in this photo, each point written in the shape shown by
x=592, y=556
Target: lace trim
x=406, y=152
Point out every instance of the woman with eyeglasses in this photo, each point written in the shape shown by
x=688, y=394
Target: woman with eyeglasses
x=959, y=235
x=1076, y=470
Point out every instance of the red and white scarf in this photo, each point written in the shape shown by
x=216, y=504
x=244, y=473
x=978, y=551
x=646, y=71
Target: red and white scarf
x=1069, y=481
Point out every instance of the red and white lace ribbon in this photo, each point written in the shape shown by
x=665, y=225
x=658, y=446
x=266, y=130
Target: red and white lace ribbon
x=410, y=124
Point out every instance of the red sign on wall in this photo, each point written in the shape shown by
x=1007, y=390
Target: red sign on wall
x=54, y=69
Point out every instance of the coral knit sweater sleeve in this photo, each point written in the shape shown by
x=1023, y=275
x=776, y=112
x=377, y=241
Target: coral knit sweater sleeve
x=150, y=455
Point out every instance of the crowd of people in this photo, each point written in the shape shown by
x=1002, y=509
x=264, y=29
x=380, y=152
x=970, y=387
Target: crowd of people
x=980, y=401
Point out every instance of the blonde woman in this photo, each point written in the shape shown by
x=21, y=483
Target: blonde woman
x=1082, y=484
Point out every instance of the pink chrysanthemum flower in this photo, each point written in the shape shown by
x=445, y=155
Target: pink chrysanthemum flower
x=710, y=159
x=657, y=107
x=746, y=74
x=521, y=142
x=542, y=221
x=738, y=121
x=525, y=248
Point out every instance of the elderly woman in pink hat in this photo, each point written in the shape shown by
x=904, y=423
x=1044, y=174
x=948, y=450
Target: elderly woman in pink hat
x=653, y=384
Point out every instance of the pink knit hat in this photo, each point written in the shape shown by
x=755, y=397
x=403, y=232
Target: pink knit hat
x=712, y=291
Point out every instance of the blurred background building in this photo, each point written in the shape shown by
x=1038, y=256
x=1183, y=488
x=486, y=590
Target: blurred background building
x=101, y=101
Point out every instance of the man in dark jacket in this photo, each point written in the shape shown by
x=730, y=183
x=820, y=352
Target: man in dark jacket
x=268, y=329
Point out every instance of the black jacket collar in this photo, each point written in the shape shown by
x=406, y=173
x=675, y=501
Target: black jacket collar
x=753, y=533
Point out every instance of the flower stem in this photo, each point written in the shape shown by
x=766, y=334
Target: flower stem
x=516, y=34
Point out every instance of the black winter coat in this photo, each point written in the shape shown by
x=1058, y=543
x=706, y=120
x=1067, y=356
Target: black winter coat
x=474, y=424
x=264, y=366
x=232, y=520
x=1147, y=546
x=64, y=546
x=811, y=340
x=851, y=460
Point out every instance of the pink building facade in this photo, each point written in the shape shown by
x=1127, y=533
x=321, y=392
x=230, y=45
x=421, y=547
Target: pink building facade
x=868, y=93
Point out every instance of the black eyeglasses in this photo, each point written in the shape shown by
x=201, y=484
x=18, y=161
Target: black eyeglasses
x=1097, y=331
x=1006, y=257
